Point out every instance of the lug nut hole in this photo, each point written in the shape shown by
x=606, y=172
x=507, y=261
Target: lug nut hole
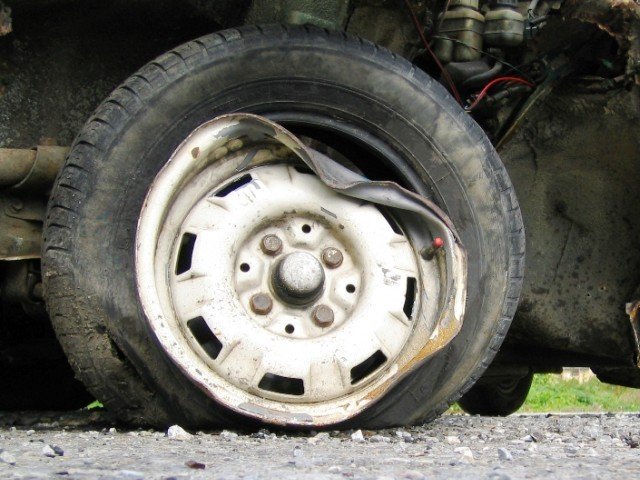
x=289, y=329
x=351, y=288
x=244, y=267
x=306, y=228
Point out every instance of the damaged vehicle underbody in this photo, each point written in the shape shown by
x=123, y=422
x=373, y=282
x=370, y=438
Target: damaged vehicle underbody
x=317, y=216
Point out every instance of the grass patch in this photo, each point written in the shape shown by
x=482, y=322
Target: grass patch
x=93, y=405
x=550, y=393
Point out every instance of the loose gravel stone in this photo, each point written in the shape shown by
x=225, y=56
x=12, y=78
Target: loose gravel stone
x=564, y=449
x=357, y=436
x=228, y=435
x=414, y=475
x=176, y=432
x=379, y=439
x=504, y=454
x=452, y=440
x=465, y=455
x=6, y=457
x=47, y=451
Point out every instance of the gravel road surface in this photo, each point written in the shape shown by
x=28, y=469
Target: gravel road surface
x=454, y=446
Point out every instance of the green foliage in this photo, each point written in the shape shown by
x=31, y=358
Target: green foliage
x=550, y=393
x=94, y=404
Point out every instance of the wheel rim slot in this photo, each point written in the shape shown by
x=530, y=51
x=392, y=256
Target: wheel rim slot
x=235, y=185
x=366, y=368
x=409, y=297
x=205, y=337
x=279, y=384
x=185, y=253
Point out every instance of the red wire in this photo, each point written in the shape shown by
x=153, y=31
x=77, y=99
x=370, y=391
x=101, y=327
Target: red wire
x=444, y=72
x=485, y=90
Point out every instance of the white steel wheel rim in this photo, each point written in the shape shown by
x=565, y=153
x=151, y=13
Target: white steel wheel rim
x=202, y=316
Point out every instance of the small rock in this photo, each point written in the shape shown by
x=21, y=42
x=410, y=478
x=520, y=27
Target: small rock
x=632, y=441
x=504, y=454
x=228, y=435
x=404, y=435
x=260, y=434
x=414, y=475
x=195, y=465
x=452, y=440
x=47, y=451
x=357, y=436
x=113, y=431
x=334, y=469
x=379, y=439
x=318, y=437
x=529, y=439
x=499, y=476
x=176, y=432
x=571, y=450
x=466, y=455
x=297, y=451
x=30, y=432
x=592, y=452
x=6, y=457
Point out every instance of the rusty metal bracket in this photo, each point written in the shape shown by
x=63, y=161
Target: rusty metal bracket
x=26, y=175
x=20, y=227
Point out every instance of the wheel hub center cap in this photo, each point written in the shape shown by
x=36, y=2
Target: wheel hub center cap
x=298, y=278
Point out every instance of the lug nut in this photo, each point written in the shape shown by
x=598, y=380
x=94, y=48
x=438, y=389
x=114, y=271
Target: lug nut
x=332, y=257
x=323, y=316
x=261, y=303
x=271, y=245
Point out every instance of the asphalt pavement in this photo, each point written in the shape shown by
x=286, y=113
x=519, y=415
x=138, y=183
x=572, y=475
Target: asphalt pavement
x=84, y=446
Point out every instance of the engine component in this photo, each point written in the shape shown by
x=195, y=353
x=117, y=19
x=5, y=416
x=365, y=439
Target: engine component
x=460, y=33
x=463, y=71
x=504, y=25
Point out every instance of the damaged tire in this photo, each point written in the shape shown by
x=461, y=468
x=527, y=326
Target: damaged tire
x=344, y=98
x=500, y=396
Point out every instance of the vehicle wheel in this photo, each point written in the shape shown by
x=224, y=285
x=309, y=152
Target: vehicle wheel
x=352, y=101
x=497, y=396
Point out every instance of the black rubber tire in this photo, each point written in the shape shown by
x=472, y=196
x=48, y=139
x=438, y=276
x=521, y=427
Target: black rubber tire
x=93, y=211
x=496, y=396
